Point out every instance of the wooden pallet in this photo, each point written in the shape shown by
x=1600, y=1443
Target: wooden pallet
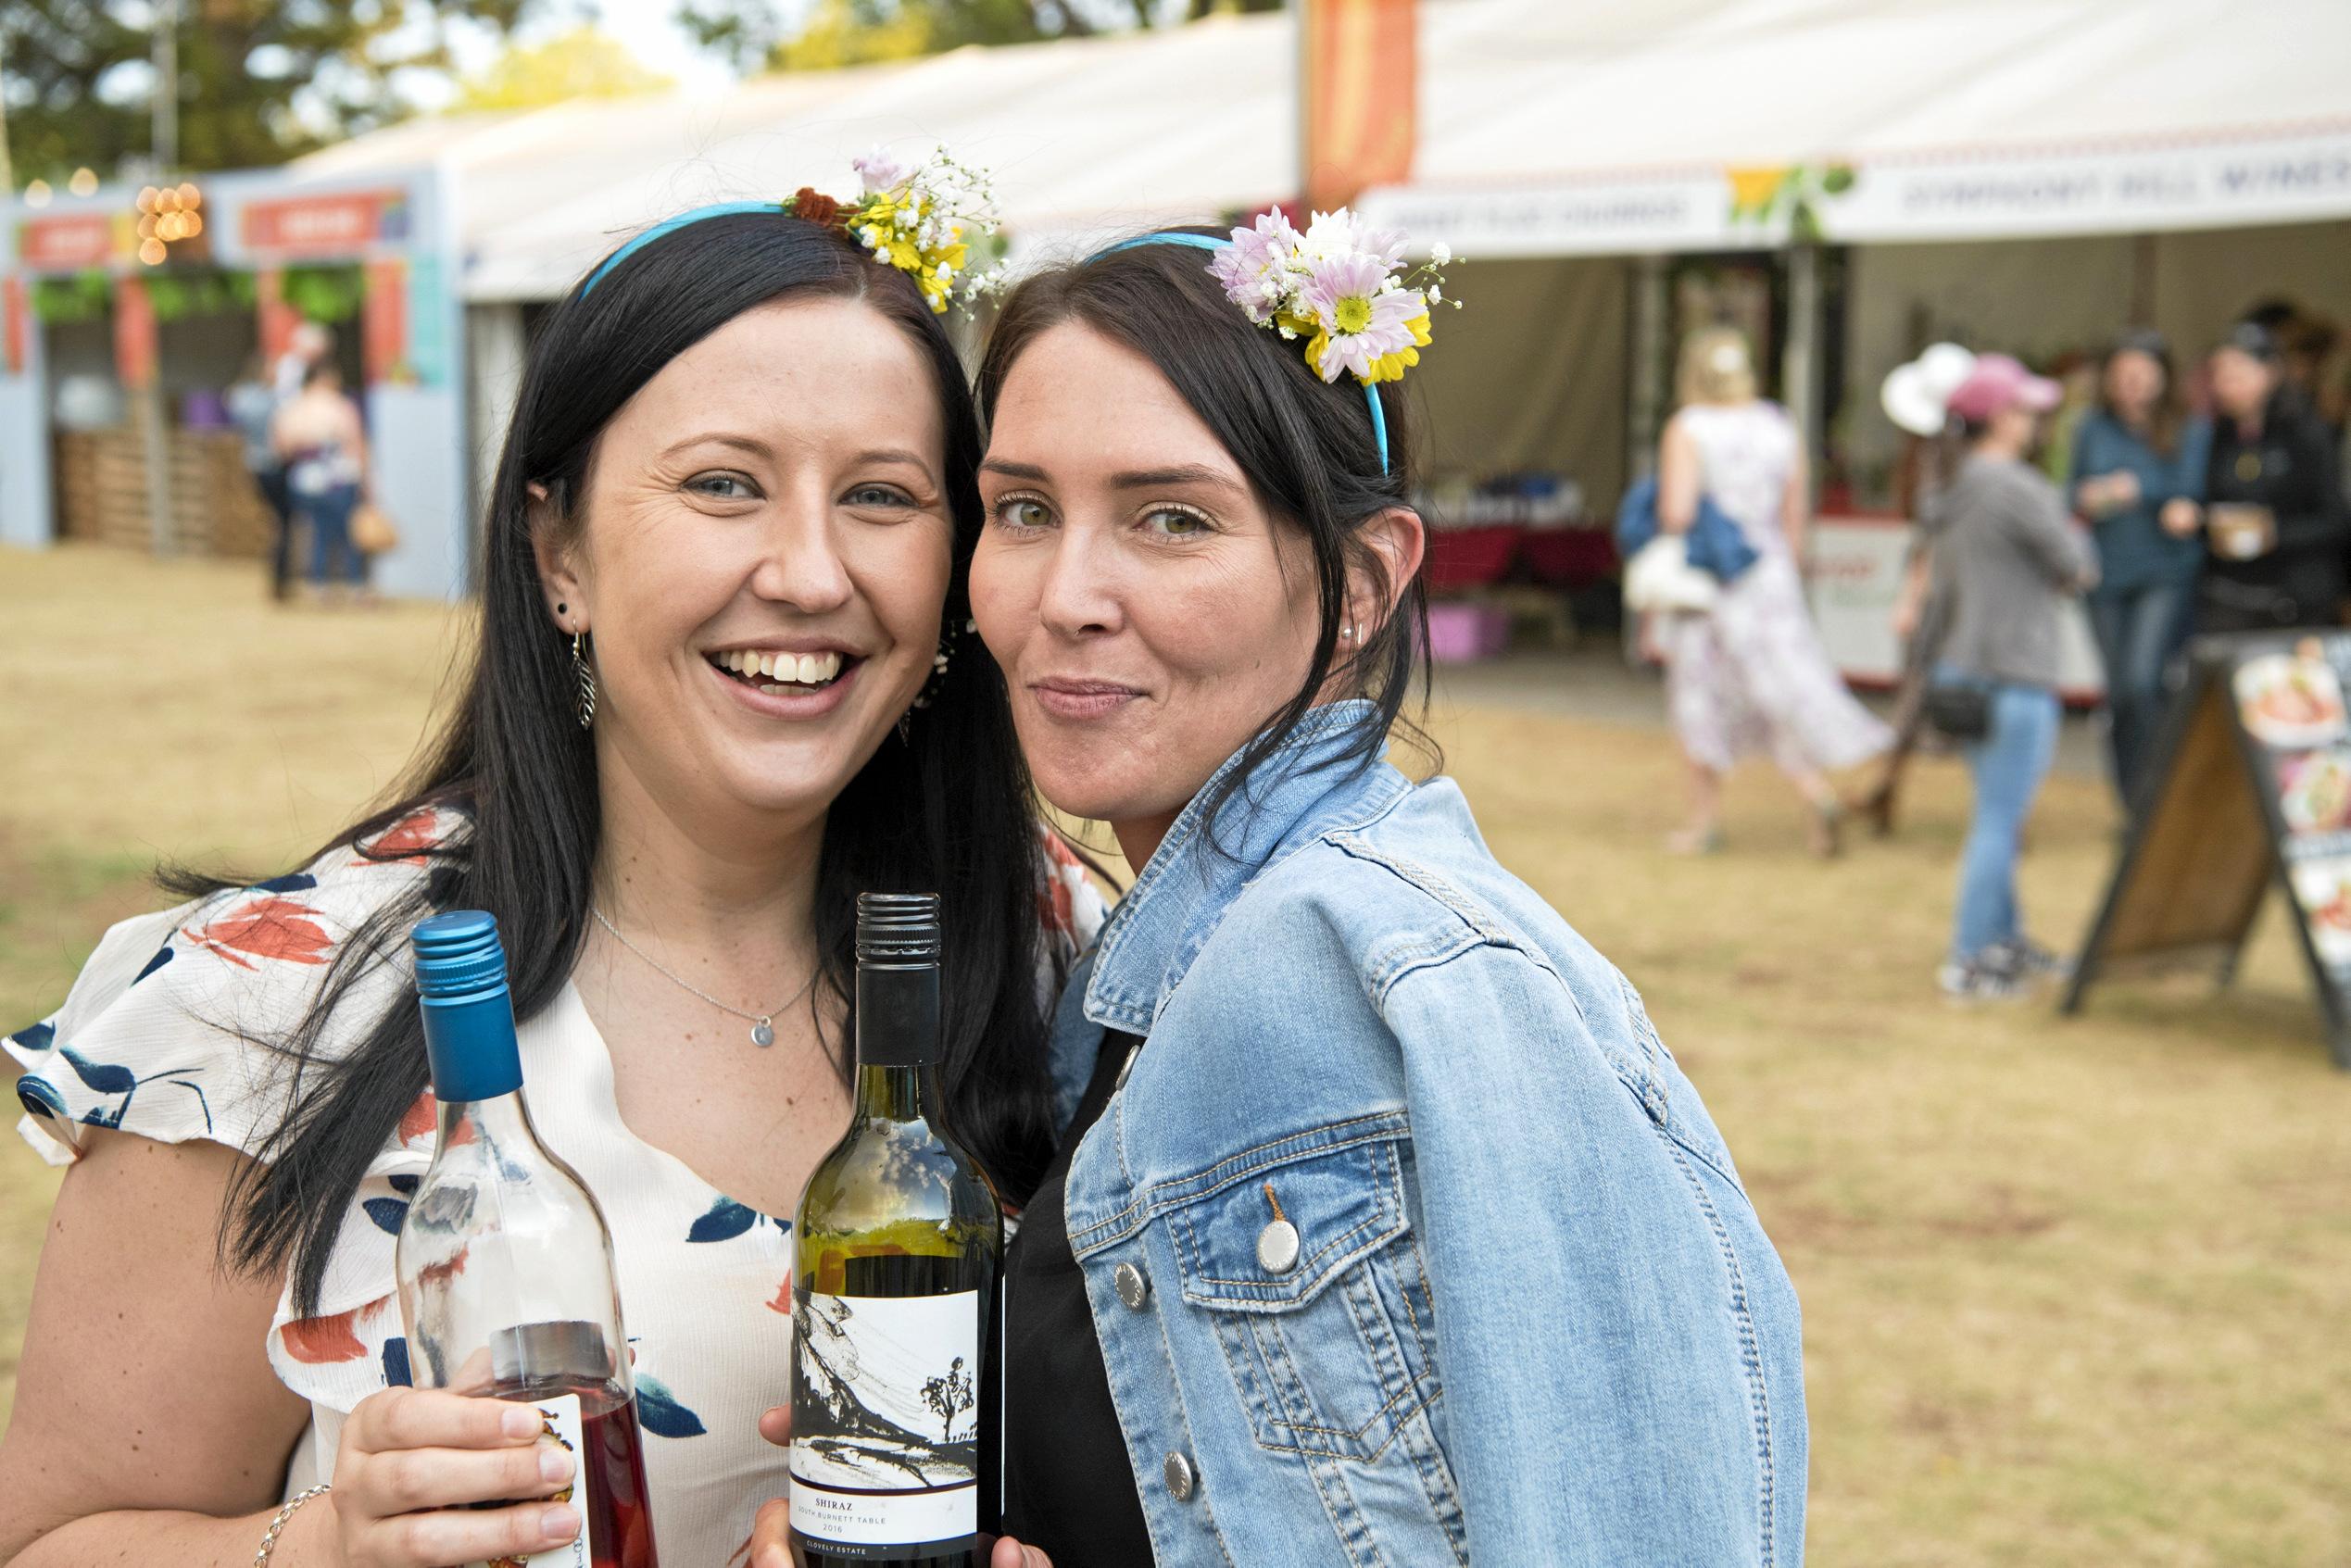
x=216, y=507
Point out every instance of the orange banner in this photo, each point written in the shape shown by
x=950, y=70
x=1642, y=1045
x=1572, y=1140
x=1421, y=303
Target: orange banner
x=1361, y=69
x=385, y=321
x=277, y=319
x=134, y=334
x=18, y=319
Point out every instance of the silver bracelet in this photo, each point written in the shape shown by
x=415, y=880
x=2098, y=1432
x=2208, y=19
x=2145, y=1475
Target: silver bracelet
x=270, y=1540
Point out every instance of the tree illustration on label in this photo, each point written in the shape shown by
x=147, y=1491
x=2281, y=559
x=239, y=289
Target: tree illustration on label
x=875, y=1372
x=949, y=1396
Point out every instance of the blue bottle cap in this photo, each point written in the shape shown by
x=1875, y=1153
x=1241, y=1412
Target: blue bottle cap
x=457, y=952
x=469, y=1014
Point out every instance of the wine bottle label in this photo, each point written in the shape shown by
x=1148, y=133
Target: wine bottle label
x=886, y=1423
x=562, y=1428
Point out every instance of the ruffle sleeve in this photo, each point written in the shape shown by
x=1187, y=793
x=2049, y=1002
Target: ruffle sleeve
x=171, y=1032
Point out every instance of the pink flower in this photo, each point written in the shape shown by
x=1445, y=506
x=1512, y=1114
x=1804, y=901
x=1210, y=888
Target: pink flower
x=881, y=172
x=1254, y=267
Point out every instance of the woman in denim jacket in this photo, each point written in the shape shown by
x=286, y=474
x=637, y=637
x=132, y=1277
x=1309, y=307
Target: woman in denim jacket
x=1392, y=1233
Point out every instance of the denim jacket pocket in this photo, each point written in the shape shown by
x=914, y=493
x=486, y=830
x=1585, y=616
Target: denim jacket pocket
x=1310, y=1276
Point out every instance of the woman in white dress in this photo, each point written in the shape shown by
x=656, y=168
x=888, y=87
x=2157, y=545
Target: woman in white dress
x=1750, y=674
x=726, y=553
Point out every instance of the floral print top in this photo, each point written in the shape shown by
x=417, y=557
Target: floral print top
x=159, y=1036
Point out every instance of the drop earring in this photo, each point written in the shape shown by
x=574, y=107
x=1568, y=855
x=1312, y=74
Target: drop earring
x=583, y=675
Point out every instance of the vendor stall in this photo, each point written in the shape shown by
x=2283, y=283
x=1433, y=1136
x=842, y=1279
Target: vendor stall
x=120, y=349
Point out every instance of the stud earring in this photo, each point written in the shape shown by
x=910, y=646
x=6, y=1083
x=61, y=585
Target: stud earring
x=585, y=678
x=562, y=610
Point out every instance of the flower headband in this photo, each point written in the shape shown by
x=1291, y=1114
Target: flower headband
x=910, y=218
x=1341, y=286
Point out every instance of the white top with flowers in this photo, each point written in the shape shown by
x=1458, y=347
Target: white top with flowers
x=159, y=1036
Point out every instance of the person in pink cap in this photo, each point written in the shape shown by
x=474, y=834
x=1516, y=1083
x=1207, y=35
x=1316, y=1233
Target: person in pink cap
x=2009, y=556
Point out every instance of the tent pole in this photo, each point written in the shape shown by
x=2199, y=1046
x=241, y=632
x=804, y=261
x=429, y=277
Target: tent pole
x=1648, y=352
x=1799, y=360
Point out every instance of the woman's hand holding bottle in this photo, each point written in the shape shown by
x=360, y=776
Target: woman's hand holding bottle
x=415, y=1465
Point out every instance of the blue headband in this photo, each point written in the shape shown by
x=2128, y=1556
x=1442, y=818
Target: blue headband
x=666, y=225
x=1209, y=242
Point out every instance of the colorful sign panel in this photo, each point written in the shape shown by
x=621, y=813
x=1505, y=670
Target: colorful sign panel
x=69, y=242
x=341, y=224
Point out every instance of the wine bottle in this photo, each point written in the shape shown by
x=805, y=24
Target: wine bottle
x=898, y=1243
x=504, y=1261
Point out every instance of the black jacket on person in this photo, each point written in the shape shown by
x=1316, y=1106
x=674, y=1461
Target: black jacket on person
x=2288, y=465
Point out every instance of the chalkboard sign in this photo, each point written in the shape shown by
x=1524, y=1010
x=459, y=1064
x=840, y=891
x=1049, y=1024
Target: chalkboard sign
x=2251, y=789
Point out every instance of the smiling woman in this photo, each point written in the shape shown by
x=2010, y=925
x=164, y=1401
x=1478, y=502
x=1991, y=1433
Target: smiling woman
x=724, y=564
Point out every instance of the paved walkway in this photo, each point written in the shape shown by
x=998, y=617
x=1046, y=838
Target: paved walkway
x=1595, y=682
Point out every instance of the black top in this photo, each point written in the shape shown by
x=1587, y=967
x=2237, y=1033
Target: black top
x=1067, y=1488
x=2289, y=466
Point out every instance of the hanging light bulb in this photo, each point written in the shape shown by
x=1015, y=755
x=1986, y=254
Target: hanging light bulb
x=147, y=195
x=148, y=226
x=84, y=182
x=37, y=193
x=152, y=252
x=190, y=197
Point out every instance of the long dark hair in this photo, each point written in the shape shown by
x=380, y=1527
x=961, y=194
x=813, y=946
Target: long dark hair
x=1306, y=446
x=948, y=810
x=2170, y=410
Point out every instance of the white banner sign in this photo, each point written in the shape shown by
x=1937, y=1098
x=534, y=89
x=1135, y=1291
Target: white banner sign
x=2211, y=185
x=2216, y=184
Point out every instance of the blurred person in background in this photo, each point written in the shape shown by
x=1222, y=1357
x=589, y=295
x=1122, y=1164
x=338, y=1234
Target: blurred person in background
x=2008, y=556
x=319, y=437
x=2139, y=461
x=2307, y=349
x=253, y=406
x=2274, y=520
x=1751, y=673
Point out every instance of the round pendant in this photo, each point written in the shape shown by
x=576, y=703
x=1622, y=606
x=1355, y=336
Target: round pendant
x=763, y=1033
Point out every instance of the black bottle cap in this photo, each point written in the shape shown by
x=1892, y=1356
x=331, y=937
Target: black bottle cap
x=897, y=930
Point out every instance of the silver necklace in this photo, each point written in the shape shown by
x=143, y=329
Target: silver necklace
x=762, y=1023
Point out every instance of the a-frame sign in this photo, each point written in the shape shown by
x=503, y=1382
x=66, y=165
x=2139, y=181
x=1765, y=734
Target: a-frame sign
x=2251, y=789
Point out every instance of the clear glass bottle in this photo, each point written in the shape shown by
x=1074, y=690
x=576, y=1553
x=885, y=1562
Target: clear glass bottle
x=504, y=1260
x=899, y=1239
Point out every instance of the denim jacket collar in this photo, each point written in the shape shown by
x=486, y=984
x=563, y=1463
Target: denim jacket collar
x=1300, y=792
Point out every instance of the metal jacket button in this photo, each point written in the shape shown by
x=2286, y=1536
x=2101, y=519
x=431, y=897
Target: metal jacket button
x=1278, y=1246
x=1177, y=1473
x=1132, y=1287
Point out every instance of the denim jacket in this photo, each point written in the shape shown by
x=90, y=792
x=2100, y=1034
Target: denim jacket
x=1406, y=1241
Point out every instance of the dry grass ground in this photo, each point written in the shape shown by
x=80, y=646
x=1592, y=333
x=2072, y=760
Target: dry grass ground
x=2075, y=1290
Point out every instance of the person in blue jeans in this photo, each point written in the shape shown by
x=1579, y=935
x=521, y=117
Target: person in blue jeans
x=2009, y=556
x=2138, y=475
x=320, y=436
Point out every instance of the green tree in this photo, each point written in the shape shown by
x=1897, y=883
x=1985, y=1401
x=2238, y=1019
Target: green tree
x=583, y=63
x=77, y=83
x=843, y=32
